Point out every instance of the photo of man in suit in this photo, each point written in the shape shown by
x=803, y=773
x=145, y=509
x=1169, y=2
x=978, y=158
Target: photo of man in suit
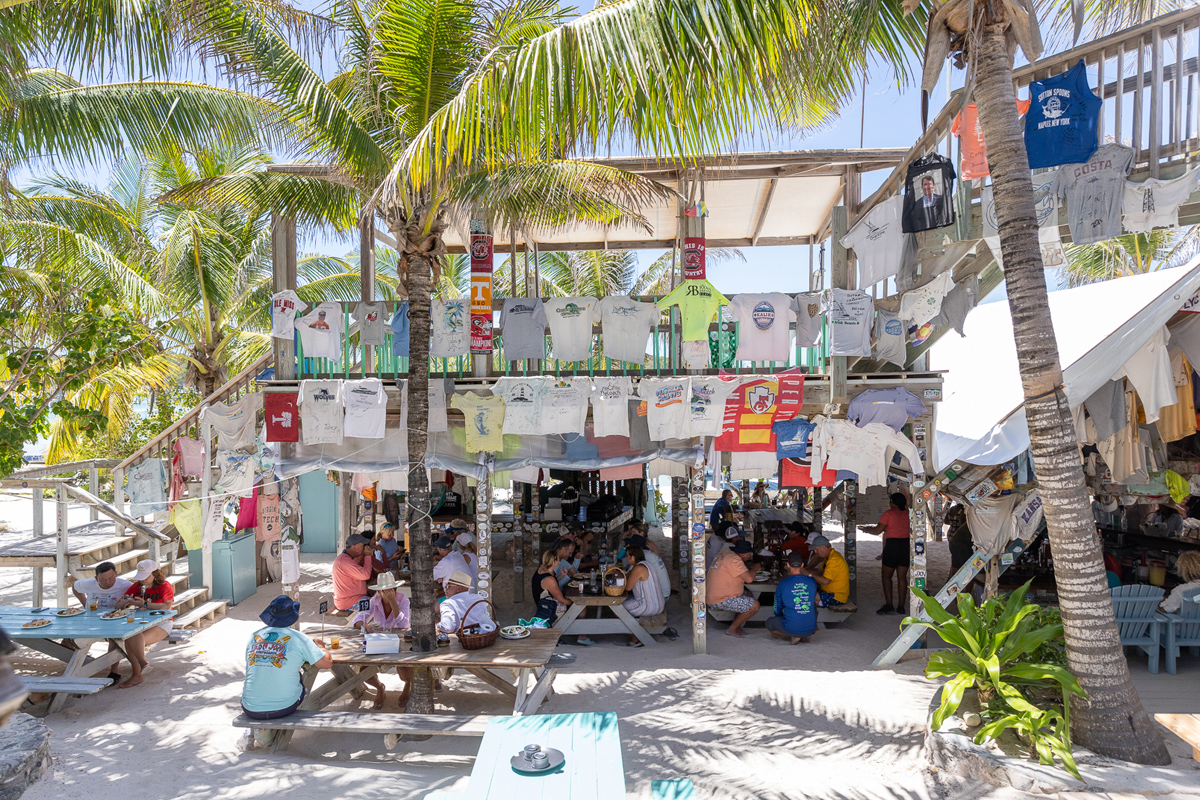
x=930, y=208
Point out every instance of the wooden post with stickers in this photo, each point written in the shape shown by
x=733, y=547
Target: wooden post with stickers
x=483, y=527
x=481, y=292
x=695, y=537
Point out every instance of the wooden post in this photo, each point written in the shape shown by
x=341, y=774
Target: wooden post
x=695, y=537
x=679, y=531
x=206, y=495
x=94, y=488
x=60, y=560
x=518, y=502
x=39, y=511
x=483, y=528
x=283, y=276
x=839, y=279
x=118, y=499
x=366, y=270
x=851, y=540
x=39, y=591
x=816, y=520
x=344, y=517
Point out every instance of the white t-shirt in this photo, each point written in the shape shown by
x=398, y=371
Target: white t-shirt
x=610, y=404
x=625, y=325
x=321, y=331
x=105, y=598
x=436, y=399
x=453, y=609
x=523, y=402
x=366, y=408
x=320, y=406
x=235, y=423
x=453, y=562
x=570, y=320
x=810, y=310
x=284, y=306
x=666, y=406
x=564, y=408
x=1174, y=602
x=1155, y=203
x=370, y=318
x=878, y=242
x=850, y=315
x=450, y=327
x=763, y=326
x=924, y=303
x=706, y=409
x=237, y=472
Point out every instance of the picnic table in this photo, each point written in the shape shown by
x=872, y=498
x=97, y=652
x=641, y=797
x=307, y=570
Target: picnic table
x=82, y=630
x=759, y=517
x=573, y=623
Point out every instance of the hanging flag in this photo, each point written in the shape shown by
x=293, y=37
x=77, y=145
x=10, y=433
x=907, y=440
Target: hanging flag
x=693, y=258
x=481, y=289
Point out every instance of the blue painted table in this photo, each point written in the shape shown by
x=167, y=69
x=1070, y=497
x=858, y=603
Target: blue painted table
x=83, y=630
x=591, y=743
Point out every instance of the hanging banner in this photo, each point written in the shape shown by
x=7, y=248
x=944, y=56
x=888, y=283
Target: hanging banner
x=693, y=258
x=481, y=289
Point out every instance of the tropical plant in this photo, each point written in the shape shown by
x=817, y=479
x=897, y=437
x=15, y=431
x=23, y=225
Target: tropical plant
x=1131, y=254
x=993, y=649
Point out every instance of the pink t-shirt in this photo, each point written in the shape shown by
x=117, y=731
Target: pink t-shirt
x=378, y=615
x=896, y=522
x=726, y=577
x=191, y=456
x=349, y=580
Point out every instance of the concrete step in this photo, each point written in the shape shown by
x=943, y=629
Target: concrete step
x=205, y=611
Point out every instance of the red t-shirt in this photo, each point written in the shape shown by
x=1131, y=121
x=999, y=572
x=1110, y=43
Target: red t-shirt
x=896, y=524
x=163, y=593
x=797, y=544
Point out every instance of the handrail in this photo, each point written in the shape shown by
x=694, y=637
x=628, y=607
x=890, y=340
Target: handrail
x=112, y=513
x=47, y=470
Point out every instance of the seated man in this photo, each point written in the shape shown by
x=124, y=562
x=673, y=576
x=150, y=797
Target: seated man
x=351, y=571
x=727, y=586
x=105, y=590
x=795, y=604
x=459, y=601
x=449, y=560
x=275, y=659
x=833, y=577
x=798, y=541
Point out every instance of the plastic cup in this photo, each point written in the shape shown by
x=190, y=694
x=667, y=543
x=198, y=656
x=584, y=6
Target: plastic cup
x=335, y=642
x=93, y=605
x=129, y=617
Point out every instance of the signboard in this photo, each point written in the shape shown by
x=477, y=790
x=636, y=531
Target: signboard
x=481, y=290
x=1192, y=306
x=693, y=258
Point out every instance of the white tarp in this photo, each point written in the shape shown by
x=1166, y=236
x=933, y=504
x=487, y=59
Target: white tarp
x=981, y=418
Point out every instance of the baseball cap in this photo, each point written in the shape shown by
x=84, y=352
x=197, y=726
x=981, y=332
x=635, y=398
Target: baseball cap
x=464, y=538
x=443, y=543
x=795, y=560
x=742, y=547
x=144, y=568
x=819, y=541
x=459, y=578
x=733, y=532
x=356, y=538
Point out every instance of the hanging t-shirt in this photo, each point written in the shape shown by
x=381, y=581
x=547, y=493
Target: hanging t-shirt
x=791, y=438
x=639, y=427
x=436, y=391
x=523, y=325
x=957, y=303
x=892, y=407
x=889, y=338
x=570, y=320
x=267, y=527
x=366, y=408
x=1095, y=192
x=370, y=316
x=706, y=408
x=810, y=311
x=450, y=327
x=850, y=315
x=281, y=416
x=191, y=456
x=523, y=398
x=970, y=133
x=1060, y=127
x=146, y=488
x=399, y=326
x=877, y=242
x=991, y=523
x=237, y=472
x=610, y=404
x=284, y=307
x=1155, y=203
x=564, y=409
x=929, y=194
x=320, y=405
x=234, y=422
x=1045, y=206
x=625, y=326
x=925, y=302
x=698, y=303
x=321, y=331
x=484, y=421
x=666, y=406
x=764, y=332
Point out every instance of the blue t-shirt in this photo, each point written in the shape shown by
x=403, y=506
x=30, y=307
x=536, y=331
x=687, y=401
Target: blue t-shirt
x=274, y=658
x=796, y=602
x=399, y=326
x=721, y=510
x=387, y=547
x=791, y=438
x=1060, y=127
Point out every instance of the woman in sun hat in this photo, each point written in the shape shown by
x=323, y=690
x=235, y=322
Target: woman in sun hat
x=388, y=612
x=150, y=591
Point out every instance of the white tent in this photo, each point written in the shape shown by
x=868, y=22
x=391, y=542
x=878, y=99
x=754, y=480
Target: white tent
x=981, y=419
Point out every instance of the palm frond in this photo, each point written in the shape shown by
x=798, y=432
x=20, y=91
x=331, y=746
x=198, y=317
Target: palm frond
x=313, y=201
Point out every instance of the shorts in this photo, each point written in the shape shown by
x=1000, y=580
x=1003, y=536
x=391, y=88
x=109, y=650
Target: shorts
x=283, y=712
x=738, y=604
x=828, y=600
x=776, y=625
x=895, y=552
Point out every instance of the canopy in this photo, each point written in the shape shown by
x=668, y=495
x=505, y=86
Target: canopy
x=981, y=419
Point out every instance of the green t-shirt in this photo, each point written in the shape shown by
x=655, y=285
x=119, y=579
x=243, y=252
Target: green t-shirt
x=698, y=302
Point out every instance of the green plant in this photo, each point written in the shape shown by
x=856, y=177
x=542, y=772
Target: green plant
x=994, y=646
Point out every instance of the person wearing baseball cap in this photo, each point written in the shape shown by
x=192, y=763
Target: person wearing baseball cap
x=449, y=560
x=726, y=589
x=461, y=603
x=795, y=604
x=830, y=571
x=152, y=591
x=351, y=571
x=466, y=545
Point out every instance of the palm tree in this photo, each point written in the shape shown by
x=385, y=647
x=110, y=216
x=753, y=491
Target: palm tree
x=1131, y=254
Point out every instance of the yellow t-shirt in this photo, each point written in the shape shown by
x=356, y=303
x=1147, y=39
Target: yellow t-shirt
x=838, y=572
x=484, y=420
x=698, y=302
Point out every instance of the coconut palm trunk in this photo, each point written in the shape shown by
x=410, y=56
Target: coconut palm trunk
x=1111, y=721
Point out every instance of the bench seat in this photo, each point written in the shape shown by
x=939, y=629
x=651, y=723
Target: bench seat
x=59, y=684
x=371, y=722
x=1185, y=726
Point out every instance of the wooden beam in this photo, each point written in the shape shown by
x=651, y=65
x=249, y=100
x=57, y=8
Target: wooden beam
x=762, y=213
x=47, y=470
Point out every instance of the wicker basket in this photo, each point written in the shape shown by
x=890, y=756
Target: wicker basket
x=477, y=641
x=614, y=591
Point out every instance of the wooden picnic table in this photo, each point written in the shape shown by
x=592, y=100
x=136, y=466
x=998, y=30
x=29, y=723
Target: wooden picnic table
x=82, y=630
x=573, y=623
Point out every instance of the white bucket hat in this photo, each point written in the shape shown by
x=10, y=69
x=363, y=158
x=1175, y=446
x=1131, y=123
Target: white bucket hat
x=144, y=568
x=465, y=539
x=384, y=580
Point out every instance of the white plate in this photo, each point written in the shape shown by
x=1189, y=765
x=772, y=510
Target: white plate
x=525, y=635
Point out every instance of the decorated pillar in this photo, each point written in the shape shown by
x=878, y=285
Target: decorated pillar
x=679, y=532
x=481, y=288
x=483, y=527
x=695, y=535
x=851, y=540
x=518, y=498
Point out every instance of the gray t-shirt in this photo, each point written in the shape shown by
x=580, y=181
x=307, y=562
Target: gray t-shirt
x=639, y=426
x=1095, y=192
x=889, y=338
x=370, y=317
x=957, y=303
x=523, y=325
x=1107, y=409
x=625, y=327
x=810, y=311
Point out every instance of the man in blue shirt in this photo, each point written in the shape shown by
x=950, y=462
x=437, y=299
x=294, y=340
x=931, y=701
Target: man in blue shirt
x=795, y=604
x=722, y=510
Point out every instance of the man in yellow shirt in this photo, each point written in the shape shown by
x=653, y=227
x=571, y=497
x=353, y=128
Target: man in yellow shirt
x=834, y=577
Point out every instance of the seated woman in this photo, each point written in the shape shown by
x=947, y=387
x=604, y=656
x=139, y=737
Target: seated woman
x=1187, y=567
x=1168, y=515
x=759, y=498
x=547, y=595
x=388, y=612
x=646, y=598
x=386, y=549
x=151, y=591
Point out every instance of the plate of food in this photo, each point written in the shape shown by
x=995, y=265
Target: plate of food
x=514, y=632
x=70, y=612
x=36, y=623
x=762, y=577
x=114, y=614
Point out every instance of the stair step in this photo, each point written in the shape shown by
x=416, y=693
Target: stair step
x=109, y=553
x=128, y=557
x=201, y=613
x=185, y=600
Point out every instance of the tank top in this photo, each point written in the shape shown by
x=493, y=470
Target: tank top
x=538, y=592
x=1060, y=127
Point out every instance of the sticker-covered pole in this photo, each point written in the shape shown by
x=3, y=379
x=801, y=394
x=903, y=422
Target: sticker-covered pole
x=695, y=534
x=483, y=528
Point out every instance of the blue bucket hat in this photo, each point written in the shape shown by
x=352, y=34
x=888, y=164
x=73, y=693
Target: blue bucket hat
x=282, y=612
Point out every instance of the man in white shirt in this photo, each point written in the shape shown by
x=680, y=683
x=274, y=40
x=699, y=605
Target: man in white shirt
x=449, y=561
x=457, y=604
x=105, y=589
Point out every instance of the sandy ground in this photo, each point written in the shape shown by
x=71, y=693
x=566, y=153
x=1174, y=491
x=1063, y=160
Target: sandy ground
x=753, y=718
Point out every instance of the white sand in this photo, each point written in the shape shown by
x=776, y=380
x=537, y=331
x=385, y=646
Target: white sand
x=753, y=718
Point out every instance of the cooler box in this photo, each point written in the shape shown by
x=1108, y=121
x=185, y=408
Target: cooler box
x=234, y=578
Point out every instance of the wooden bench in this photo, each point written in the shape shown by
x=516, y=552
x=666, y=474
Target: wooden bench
x=674, y=789
x=56, y=684
x=1185, y=726
x=391, y=726
x=836, y=616
x=655, y=624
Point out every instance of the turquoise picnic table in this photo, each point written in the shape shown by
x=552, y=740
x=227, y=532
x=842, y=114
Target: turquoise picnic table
x=592, y=770
x=69, y=639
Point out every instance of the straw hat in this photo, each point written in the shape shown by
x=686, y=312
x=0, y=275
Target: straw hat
x=385, y=580
x=459, y=578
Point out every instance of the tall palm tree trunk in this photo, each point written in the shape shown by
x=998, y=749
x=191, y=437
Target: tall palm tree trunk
x=1111, y=721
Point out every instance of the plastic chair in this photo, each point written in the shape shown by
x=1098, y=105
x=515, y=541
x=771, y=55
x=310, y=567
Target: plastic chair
x=1183, y=628
x=1138, y=620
